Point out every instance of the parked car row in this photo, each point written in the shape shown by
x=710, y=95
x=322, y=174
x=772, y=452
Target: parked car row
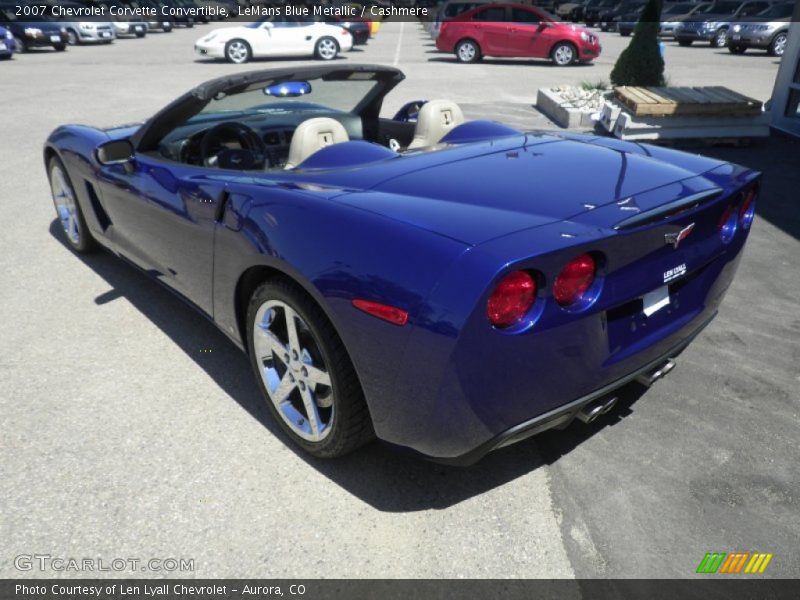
x=472, y=30
x=737, y=24
x=27, y=26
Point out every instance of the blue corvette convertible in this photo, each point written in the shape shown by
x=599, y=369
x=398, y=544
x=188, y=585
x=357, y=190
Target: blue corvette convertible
x=448, y=286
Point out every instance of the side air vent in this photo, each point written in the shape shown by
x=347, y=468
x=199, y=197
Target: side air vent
x=99, y=211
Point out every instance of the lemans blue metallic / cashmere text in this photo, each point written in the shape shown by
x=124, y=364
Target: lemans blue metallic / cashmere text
x=448, y=286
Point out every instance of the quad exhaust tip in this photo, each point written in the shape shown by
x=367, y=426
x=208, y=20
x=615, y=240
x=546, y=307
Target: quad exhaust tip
x=591, y=411
x=650, y=378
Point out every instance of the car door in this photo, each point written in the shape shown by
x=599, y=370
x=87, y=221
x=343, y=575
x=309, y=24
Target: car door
x=163, y=216
x=528, y=34
x=306, y=34
x=491, y=27
x=272, y=38
x=285, y=39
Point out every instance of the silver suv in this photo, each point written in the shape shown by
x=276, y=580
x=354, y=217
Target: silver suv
x=768, y=30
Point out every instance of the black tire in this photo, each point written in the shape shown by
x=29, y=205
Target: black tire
x=468, y=51
x=560, y=53
x=777, y=46
x=22, y=47
x=685, y=42
x=351, y=426
x=238, y=52
x=6, y=57
x=140, y=34
x=60, y=47
x=72, y=37
x=720, y=39
x=737, y=49
x=167, y=28
x=85, y=243
x=326, y=48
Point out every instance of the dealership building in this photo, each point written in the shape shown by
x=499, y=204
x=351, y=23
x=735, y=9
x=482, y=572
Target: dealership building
x=785, y=105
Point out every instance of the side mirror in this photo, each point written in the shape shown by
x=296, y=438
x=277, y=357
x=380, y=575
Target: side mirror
x=544, y=25
x=116, y=152
x=267, y=25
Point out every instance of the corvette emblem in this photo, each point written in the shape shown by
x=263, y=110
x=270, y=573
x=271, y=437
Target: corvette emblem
x=677, y=238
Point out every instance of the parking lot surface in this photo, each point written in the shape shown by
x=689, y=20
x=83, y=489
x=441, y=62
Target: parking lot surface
x=132, y=428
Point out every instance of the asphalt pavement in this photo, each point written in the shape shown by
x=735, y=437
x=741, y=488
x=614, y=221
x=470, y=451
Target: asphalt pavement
x=132, y=428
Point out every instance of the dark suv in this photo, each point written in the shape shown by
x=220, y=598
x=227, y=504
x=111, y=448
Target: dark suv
x=712, y=24
x=32, y=32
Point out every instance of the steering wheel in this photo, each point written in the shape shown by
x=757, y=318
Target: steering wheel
x=251, y=155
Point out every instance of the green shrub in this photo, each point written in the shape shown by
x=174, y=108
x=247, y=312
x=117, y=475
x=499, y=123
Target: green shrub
x=641, y=63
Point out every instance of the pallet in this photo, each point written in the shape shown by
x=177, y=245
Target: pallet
x=686, y=101
x=730, y=129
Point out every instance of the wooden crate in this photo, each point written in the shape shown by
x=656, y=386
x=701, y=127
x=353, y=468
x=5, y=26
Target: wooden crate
x=686, y=101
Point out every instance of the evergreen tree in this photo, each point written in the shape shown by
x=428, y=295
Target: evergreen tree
x=641, y=64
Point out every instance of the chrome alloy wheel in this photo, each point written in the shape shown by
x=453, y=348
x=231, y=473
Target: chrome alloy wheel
x=238, y=52
x=779, y=45
x=293, y=371
x=467, y=52
x=64, y=200
x=564, y=55
x=326, y=48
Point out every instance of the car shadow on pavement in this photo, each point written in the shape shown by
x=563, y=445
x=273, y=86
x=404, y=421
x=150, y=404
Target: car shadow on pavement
x=384, y=478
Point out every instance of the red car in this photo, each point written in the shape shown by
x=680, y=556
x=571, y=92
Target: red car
x=512, y=30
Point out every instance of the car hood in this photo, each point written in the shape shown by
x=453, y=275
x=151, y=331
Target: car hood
x=708, y=17
x=744, y=20
x=477, y=192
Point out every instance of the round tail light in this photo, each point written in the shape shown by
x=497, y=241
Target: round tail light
x=748, y=209
x=574, y=280
x=511, y=299
x=727, y=224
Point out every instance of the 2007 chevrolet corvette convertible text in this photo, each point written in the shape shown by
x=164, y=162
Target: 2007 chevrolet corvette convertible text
x=448, y=286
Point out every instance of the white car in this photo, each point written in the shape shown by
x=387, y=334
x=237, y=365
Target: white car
x=275, y=38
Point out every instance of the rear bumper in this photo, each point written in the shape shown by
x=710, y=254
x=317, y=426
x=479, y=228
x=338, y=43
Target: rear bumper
x=564, y=415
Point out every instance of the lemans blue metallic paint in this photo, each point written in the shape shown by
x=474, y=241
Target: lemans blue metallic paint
x=432, y=232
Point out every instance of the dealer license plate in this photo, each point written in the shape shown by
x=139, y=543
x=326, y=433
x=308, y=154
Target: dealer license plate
x=655, y=300
x=736, y=37
x=105, y=34
x=55, y=38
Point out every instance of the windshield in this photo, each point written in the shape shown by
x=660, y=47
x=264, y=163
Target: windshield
x=341, y=95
